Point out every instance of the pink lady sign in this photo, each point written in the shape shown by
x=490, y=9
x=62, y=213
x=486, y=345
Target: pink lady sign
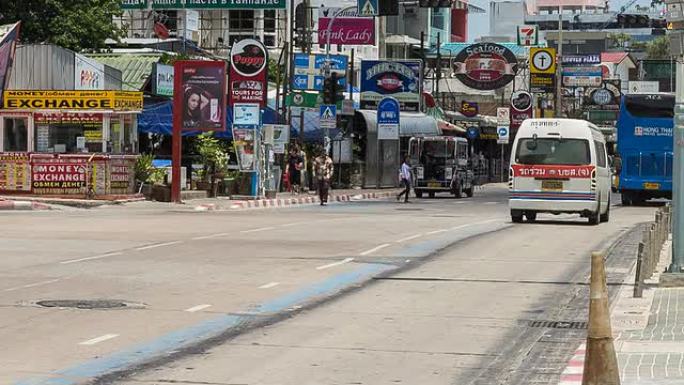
x=347, y=28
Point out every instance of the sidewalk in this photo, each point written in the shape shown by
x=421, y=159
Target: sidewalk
x=648, y=333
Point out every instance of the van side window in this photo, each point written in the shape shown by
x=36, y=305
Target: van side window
x=600, y=154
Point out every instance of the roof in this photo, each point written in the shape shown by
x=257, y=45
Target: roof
x=135, y=69
x=613, y=57
x=452, y=49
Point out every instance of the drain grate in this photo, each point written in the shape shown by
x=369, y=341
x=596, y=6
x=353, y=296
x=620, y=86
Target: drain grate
x=558, y=324
x=83, y=304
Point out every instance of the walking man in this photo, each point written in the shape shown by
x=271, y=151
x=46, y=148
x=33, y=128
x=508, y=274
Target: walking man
x=405, y=177
x=323, y=172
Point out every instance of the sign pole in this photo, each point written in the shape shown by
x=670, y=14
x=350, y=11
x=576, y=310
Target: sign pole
x=559, y=62
x=176, y=139
x=677, y=188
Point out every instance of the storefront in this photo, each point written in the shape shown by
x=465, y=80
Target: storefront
x=69, y=143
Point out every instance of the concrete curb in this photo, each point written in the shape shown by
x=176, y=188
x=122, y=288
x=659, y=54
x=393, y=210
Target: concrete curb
x=77, y=203
x=6, y=205
x=289, y=202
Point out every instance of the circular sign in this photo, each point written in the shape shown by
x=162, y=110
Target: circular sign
x=248, y=57
x=521, y=101
x=485, y=66
x=502, y=131
x=298, y=99
x=602, y=97
x=542, y=60
x=472, y=132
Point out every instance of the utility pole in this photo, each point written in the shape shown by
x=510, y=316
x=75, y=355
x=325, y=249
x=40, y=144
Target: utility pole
x=438, y=67
x=677, y=179
x=559, y=74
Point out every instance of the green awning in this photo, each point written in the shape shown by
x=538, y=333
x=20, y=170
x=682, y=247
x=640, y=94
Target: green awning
x=135, y=69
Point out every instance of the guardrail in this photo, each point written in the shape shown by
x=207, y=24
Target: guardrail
x=648, y=256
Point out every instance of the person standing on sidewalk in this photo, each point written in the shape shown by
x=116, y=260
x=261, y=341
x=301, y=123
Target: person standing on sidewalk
x=295, y=163
x=323, y=169
x=405, y=178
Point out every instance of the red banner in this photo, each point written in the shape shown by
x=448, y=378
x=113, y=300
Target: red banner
x=347, y=30
x=248, y=72
x=552, y=171
x=59, y=174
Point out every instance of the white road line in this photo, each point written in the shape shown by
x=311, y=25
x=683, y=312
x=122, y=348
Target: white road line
x=409, y=238
x=269, y=285
x=91, y=258
x=30, y=285
x=293, y=224
x=491, y=203
x=197, y=308
x=374, y=249
x=158, y=245
x=342, y=262
x=210, y=236
x=437, y=231
x=257, y=230
x=99, y=339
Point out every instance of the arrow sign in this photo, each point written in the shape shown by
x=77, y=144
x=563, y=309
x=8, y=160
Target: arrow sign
x=368, y=7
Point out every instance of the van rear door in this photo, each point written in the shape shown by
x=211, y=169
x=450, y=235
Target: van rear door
x=553, y=168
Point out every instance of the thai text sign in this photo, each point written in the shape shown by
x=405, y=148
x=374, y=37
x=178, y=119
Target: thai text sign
x=73, y=100
x=399, y=79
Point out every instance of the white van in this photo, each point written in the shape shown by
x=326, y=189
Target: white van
x=559, y=166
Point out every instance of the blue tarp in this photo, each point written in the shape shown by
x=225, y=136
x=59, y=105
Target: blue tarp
x=157, y=118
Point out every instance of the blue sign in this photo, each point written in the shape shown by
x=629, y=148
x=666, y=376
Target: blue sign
x=367, y=7
x=472, y=133
x=388, y=118
x=399, y=79
x=328, y=116
x=308, y=71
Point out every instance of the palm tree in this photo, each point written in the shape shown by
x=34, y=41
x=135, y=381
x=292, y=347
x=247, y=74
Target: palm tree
x=658, y=48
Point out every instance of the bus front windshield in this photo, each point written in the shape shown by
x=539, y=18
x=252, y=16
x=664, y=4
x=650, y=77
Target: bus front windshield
x=439, y=148
x=553, y=151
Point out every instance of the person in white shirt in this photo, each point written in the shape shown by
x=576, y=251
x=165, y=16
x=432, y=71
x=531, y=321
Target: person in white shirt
x=405, y=178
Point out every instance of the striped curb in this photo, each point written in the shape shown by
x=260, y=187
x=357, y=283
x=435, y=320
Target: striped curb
x=573, y=373
x=22, y=205
x=288, y=202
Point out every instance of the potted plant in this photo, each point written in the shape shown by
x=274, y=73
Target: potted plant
x=149, y=177
x=214, y=158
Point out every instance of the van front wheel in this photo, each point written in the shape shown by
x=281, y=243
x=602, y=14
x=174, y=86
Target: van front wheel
x=516, y=217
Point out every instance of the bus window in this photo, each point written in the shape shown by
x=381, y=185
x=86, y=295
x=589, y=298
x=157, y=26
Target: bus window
x=650, y=106
x=553, y=151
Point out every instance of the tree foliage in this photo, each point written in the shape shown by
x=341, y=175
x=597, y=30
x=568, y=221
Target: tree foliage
x=74, y=24
x=659, y=48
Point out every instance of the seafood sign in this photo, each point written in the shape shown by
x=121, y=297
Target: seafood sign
x=399, y=79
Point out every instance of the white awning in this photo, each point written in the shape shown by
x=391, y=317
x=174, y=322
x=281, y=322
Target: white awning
x=410, y=123
x=401, y=40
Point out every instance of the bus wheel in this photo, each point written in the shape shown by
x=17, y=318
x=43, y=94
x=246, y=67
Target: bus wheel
x=469, y=192
x=516, y=217
x=431, y=194
x=531, y=216
x=626, y=199
x=419, y=193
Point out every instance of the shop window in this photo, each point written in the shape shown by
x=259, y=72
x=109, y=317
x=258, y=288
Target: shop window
x=269, y=41
x=68, y=133
x=168, y=18
x=16, y=134
x=241, y=21
x=269, y=20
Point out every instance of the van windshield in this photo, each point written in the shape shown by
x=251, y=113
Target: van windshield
x=439, y=148
x=553, y=151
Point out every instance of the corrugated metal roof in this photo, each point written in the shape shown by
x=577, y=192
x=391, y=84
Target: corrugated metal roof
x=452, y=49
x=135, y=69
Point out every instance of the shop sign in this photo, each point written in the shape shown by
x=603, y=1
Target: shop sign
x=59, y=174
x=93, y=136
x=9, y=34
x=15, y=171
x=86, y=119
x=248, y=72
x=542, y=70
x=120, y=172
x=583, y=76
x=580, y=60
x=348, y=28
x=606, y=97
x=521, y=108
x=88, y=73
x=469, y=109
x=134, y=4
x=218, y=4
x=74, y=100
x=162, y=84
x=309, y=70
x=400, y=79
x=199, y=97
x=485, y=66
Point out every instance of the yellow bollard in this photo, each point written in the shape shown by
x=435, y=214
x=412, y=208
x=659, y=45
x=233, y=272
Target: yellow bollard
x=600, y=364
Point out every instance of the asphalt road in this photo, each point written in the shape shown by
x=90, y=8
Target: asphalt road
x=434, y=291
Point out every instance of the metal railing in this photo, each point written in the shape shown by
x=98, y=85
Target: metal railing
x=648, y=256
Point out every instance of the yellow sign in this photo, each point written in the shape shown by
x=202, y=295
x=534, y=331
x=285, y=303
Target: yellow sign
x=542, y=60
x=73, y=100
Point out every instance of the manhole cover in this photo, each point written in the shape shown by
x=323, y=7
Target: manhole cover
x=559, y=324
x=84, y=304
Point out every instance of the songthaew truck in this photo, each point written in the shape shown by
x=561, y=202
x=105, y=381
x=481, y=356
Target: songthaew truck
x=440, y=164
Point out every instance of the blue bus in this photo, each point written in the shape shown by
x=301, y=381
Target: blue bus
x=644, y=147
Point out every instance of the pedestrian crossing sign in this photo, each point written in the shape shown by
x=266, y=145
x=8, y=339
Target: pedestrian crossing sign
x=367, y=7
x=328, y=116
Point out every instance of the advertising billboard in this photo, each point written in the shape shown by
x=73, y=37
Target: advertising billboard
x=9, y=34
x=248, y=72
x=199, y=95
x=348, y=27
x=485, y=66
x=400, y=79
x=88, y=73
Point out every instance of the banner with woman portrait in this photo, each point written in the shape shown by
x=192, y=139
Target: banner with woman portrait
x=199, y=96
